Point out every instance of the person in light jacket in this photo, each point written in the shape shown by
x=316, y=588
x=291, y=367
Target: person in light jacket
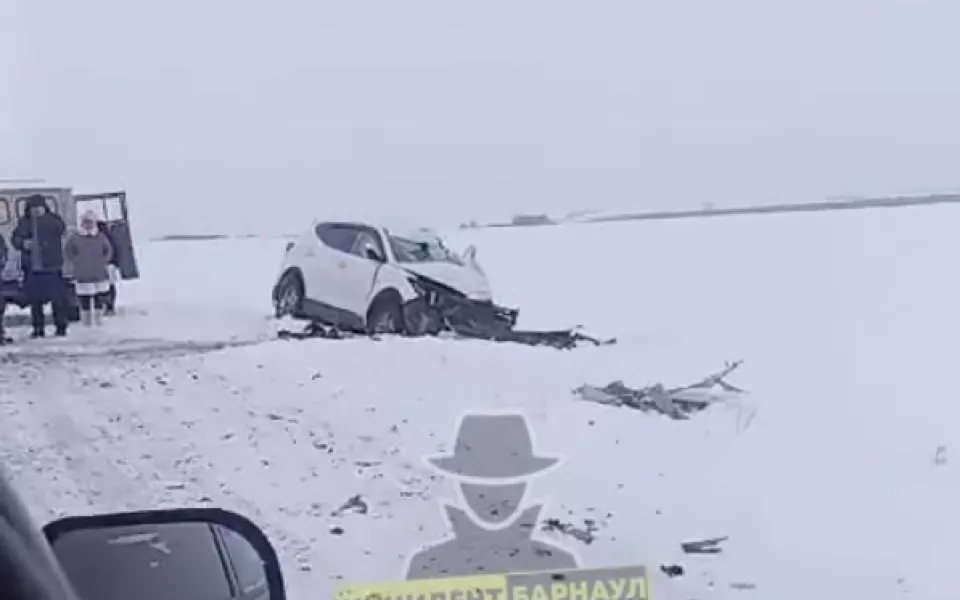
x=90, y=252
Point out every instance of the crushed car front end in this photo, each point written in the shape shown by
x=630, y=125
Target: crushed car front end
x=439, y=307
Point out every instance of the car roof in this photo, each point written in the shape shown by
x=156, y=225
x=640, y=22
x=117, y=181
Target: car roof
x=400, y=228
x=20, y=188
x=416, y=234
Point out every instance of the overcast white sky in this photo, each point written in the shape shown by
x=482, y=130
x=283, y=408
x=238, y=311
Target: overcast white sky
x=253, y=115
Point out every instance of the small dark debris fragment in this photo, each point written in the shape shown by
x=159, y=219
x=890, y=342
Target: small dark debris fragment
x=672, y=570
x=743, y=585
x=353, y=504
x=583, y=534
x=708, y=546
x=313, y=330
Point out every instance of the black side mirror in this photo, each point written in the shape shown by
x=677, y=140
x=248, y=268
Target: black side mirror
x=196, y=553
x=372, y=254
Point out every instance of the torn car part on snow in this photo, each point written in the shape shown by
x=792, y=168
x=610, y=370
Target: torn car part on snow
x=707, y=546
x=564, y=339
x=440, y=309
x=676, y=403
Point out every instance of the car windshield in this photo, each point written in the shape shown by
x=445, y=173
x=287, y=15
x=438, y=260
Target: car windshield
x=422, y=249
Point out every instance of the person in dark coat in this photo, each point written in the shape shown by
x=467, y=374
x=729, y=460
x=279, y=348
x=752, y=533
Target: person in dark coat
x=39, y=238
x=110, y=299
x=4, y=254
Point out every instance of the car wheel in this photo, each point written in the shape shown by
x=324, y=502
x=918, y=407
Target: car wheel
x=386, y=317
x=288, y=298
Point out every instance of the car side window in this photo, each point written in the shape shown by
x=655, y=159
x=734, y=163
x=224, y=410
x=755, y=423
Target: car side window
x=22, y=205
x=5, y=216
x=336, y=236
x=367, y=238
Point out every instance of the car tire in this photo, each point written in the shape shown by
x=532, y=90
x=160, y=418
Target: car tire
x=288, y=296
x=386, y=317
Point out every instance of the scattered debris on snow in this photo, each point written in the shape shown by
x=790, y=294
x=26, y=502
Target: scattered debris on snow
x=562, y=339
x=676, y=403
x=353, y=504
x=707, y=546
x=584, y=534
x=672, y=570
x=743, y=585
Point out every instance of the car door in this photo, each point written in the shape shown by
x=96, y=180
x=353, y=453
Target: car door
x=323, y=267
x=359, y=269
x=10, y=271
x=111, y=208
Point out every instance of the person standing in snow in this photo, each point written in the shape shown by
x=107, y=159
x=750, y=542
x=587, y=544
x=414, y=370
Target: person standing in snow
x=110, y=301
x=90, y=252
x=3, y=300
x=39, y=238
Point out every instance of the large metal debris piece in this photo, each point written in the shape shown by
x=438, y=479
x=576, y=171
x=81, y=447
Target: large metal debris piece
x=677, y=403
x=314, y=329
x=707, y=546
x=562, y=339
x=471, y=319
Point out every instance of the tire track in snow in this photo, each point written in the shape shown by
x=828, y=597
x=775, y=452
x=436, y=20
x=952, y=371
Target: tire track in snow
x=124, y=350
x=93, y=435
x=38, y=415
x=90, y=412
x=190, y=470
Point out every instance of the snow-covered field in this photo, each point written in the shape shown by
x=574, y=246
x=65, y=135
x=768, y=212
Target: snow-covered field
x=848, y=324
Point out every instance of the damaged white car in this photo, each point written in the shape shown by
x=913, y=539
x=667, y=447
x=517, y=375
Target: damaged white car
x=367, y=278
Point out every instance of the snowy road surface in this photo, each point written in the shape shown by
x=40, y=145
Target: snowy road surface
x=847, y=322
